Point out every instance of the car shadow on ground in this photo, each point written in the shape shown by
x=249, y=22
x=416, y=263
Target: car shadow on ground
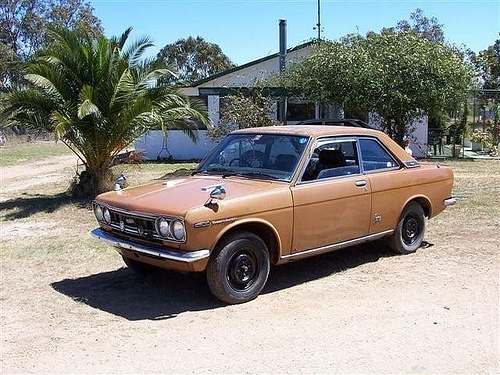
x=163, y=294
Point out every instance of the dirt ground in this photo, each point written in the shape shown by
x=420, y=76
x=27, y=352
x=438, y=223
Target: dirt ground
x=69, y=306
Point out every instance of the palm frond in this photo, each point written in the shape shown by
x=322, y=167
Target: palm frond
x=124, y=37
x=134, y=52
x=45, y=85
x=86, y=106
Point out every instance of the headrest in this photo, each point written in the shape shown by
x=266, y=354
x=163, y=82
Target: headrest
x=332, y=158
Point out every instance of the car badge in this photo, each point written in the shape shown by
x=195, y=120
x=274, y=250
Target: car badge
x=140, y=230
x=122, y=225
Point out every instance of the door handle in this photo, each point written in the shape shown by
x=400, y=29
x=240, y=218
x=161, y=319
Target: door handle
x=360, y=183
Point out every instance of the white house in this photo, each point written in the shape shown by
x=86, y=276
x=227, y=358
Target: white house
x=212, y=90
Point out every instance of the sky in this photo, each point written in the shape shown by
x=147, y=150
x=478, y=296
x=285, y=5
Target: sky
x=248, y=29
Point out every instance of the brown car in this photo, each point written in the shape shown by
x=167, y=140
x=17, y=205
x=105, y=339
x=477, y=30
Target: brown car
x=274, y=195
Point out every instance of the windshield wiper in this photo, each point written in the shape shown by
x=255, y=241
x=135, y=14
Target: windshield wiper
x=228, y=173
x=255, y=174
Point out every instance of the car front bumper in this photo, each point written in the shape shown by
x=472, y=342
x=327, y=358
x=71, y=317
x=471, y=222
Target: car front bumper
x=192, y=261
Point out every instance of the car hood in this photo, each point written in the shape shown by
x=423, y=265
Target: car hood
x=178, y=196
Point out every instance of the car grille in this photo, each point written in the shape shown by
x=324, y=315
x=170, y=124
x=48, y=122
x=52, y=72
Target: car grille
x=134, y=226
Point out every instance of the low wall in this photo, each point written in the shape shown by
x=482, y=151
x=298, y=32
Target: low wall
x=178, y=145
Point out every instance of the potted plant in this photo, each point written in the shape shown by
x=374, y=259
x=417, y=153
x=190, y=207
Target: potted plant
x=479, y=139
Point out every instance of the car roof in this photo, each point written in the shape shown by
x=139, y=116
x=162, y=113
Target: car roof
x=310, y=130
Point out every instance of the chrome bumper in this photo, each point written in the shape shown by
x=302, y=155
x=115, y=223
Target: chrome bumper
x=177, y=256
x=450, y=201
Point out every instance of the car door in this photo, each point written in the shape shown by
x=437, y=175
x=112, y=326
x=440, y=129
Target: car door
x=331, y=197
x=383, y=172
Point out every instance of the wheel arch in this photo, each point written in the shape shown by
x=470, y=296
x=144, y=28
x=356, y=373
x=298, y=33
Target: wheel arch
x=423, y=201
x=259, y=227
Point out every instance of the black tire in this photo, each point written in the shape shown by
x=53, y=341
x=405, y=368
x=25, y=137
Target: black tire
x=239, y=267
x=410, y=231
x=136, y=266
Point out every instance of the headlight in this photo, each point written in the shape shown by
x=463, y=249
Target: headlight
x=107, y=215
x=177, y=229
x=98, y=212
x=163, y=227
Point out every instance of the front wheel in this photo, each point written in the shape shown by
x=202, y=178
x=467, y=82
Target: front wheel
x=238, y=270
x=409, y=232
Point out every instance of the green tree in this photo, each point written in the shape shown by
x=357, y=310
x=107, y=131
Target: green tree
x=97, y=95
x=23, y=25
x=488, y=63
x=194, y=59
x=419, y=24
x=397, y=75
x=241, y=110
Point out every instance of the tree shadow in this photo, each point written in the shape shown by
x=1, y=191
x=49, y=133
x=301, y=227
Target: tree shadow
x=163, y=294
x=30, y=204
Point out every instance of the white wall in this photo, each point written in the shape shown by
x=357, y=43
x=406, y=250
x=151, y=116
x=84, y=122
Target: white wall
x=179, y=145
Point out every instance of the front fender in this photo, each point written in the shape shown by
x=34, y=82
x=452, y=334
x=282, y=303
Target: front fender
x=246, y=223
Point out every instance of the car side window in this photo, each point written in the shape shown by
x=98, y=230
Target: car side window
x=332, y=159
x=374, y=156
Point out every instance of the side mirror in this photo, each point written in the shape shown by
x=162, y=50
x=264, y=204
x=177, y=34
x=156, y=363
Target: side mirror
x=218, y=192
x=120, y=180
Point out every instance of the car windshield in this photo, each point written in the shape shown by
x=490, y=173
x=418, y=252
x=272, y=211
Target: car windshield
x=262, y=156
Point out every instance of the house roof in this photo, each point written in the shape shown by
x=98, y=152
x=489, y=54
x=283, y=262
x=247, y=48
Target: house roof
x=251, y=63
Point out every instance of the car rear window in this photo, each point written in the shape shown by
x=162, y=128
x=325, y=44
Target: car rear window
x=374, y=156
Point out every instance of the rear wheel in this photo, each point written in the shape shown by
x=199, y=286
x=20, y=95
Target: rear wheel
x=410, y=231
x=238, y=270
x=136, y=266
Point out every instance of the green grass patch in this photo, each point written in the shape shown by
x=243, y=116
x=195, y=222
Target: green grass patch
x=26, y=152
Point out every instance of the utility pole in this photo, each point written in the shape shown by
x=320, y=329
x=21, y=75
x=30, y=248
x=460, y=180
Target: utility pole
x=318, y=25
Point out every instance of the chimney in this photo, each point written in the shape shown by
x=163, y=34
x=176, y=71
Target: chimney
x=282, y=61
x=282, y=43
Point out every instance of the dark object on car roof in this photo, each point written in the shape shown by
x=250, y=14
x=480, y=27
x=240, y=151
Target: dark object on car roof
x=345, y=122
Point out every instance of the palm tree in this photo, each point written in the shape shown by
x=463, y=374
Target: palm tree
x=98, y=95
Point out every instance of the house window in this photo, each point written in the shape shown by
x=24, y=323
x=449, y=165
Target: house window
x=300, y=110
